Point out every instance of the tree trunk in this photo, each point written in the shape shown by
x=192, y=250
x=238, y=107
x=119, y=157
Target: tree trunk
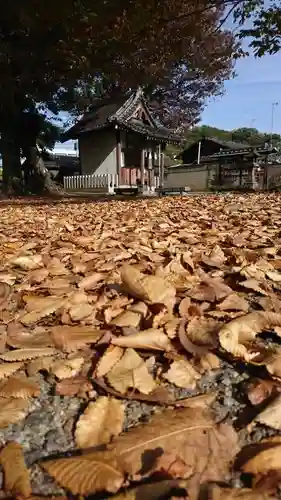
x=12, y=175
x=38, y=178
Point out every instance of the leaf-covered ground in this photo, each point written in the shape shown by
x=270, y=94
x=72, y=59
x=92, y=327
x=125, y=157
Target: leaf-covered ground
x=140, y=348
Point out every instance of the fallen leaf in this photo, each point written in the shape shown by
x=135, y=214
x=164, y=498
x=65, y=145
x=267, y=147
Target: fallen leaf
x=254, y=285
x=190, y=434
x=152, y=338
x=234, y=303
x=210, y=290
x=24, y=354
x=12, y=411
x=80, y=311
x=7, y=369
x=86, y=474
x=154, y=491
x=100, y=422
x=131, y=372
x=216, y=257
x=274, y=276
x=258, y=390
x=140, y=308
x=152, y=289
x=127, y=319
x=75, y=386
x=19, y=387
x=90, y=282
x=5, y=292
x=66, y=368
x=217, y=493
x=71, y=338
x=57, y=268
x=111, y=356
x=237, y=336
x=28, y=262
x=203, y=331
x=20, y=338
x=182, y=374
x=38, y=276
x=40, y=364
x=208, y=362
x=264, y=459
x=203, y=401
x=273, y=363
x=16, y=476
x=184, y=307
x=271, y=415
x=51, y=308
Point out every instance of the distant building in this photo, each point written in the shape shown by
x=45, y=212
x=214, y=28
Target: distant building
x=205, y=147
x=241, y=166
x=121, y=137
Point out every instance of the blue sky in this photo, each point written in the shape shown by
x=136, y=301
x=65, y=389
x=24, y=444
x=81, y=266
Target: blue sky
x=247, y=101
x=248, y=98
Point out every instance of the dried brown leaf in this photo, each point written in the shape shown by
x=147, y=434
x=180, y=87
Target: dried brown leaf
x=51, y=308
x=271, y=415
x=5, y=292
x=216, y=257
x=108, y=360
x=38, y=276
x=203, y=401
x=20, y=338
x=234, y=303
x=203, y=331
x=40, y=364
x=127, y=319
x=72, y=338
x=152, y=338
x=76, y=386
x=25, y=354
x=254, y=285
x=258, y=390
x=264, y=459
x=16, y=476
x=152, y=289
x=19, y=387
x=7, y=369
x=218, y=493
x=237, y=336
x=274, y=276
x=66, y=368
x=12, y=411
x=80, y=311
x=87, y=473
x=57, y=268
x=100, y=422
x=273, y=363
x=208, y=362
x=28, y=262
x=90, y=282
x=182, y=374
x=131, y=372
x=210, y=290
x=189, y=434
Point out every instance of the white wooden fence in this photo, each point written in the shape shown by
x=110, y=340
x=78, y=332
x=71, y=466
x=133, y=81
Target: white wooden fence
x=106, y=181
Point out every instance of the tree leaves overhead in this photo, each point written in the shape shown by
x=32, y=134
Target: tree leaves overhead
x=260, y=20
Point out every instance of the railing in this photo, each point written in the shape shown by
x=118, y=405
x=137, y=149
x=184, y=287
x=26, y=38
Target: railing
x=77, y=182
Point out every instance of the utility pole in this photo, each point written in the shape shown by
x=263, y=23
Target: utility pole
x=273, y=106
